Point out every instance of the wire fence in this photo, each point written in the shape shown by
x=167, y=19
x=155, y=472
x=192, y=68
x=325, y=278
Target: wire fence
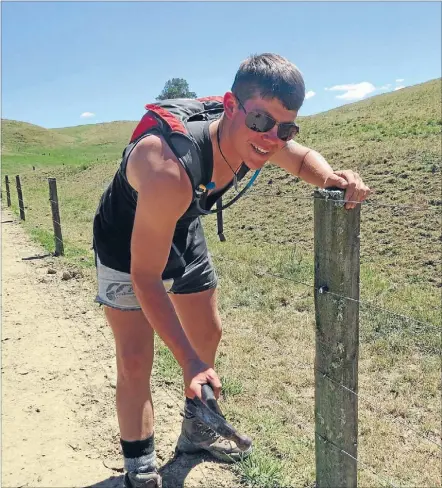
x=419, y=327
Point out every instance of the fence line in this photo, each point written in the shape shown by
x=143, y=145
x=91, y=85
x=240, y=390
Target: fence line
x=259, y=192
x=320, y=290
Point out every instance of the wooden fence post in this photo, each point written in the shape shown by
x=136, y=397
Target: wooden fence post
x=53, y=198
x=337, y=339
x=8, y=191
x=20, y=197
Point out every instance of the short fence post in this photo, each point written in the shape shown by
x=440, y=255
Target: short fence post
x=8, y=191
x=20, y=197
x=53, y=198
x=337, y=339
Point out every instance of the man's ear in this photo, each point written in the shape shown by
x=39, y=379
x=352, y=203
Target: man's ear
x=230, y=104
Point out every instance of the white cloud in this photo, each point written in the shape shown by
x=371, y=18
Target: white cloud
x=87, y=115
x=354, y=91
x=399, y=87
x=385, y=87
x=310, y=94
x=399, y=80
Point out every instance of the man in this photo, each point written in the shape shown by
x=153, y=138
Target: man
x=154, y=270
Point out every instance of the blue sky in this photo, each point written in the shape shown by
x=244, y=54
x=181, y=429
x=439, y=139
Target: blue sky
x=71, y=63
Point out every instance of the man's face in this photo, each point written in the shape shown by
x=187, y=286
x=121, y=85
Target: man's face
x=256, y=148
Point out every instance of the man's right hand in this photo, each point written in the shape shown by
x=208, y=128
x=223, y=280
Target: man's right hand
x=197, y=373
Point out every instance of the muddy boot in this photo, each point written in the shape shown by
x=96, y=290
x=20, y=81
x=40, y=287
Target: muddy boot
x=196, y=436
x=150, y=479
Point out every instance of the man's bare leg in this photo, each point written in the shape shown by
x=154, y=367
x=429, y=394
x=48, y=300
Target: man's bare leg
x=134, y=343
x=199, y=316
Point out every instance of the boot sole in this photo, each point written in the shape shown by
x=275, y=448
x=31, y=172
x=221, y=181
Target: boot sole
x=184, y=446
x=152, y=483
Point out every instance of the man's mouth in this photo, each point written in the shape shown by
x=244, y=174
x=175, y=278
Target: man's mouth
x=259, y=150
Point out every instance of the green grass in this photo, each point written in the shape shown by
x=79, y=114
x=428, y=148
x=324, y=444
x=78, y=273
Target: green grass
x=266, y=357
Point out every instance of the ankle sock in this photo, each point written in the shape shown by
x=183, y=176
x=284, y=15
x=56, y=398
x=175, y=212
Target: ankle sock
x=139, y=456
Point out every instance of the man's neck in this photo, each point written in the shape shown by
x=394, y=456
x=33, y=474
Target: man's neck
x=224, y=148
x=225, y=167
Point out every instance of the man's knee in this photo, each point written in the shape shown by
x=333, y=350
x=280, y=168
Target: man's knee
x=211, y=334
x=134, y=364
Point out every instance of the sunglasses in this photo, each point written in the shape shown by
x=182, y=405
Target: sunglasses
x=262, y=122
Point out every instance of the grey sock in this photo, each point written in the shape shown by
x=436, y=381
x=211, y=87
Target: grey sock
x=139, y=456
x=141, y=464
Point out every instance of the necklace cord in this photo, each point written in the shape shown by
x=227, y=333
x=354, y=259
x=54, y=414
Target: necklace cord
x=235, y=178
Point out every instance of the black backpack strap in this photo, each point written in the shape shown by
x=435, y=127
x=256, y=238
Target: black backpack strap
x=219, y=219
x=207, y=154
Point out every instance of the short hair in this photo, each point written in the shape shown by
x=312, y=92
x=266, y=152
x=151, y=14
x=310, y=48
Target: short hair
x=270, y=76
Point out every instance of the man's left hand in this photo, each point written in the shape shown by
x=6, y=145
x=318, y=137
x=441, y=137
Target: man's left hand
x=355, y=189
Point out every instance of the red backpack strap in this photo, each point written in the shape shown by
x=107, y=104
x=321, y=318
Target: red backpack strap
x=147, y=122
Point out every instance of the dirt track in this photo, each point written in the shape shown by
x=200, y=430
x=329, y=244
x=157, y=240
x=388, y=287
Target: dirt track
x=59, y=426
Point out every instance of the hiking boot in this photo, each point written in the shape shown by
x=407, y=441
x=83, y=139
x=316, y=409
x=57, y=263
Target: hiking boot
x=196, y=436
x=150, y=479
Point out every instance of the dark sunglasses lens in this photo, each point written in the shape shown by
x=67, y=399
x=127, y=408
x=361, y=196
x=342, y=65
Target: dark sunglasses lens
x=259, y=122
x=287, y=131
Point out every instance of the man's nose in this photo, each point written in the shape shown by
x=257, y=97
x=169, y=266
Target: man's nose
x=271, y=135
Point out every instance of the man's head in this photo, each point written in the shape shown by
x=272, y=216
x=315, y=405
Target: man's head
x=270, y=76
x=262, y=106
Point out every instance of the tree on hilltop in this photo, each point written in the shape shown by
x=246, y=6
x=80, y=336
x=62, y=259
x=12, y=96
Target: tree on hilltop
x=176, y=88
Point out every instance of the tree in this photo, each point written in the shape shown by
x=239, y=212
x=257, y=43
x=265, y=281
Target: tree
x=176, y=88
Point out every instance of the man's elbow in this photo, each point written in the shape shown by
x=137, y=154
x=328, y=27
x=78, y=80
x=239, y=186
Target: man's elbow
x=143, y=278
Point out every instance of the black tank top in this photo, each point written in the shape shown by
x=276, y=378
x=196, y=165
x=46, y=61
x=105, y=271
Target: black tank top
x=114, y=218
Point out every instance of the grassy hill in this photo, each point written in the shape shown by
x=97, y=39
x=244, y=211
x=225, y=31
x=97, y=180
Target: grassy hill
x=394, y=142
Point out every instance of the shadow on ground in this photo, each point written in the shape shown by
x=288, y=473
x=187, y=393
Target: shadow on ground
x=174, y=472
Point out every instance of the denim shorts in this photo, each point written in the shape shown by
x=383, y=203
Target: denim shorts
x=115, y=288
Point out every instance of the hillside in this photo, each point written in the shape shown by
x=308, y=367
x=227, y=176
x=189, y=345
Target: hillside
x=20, y=137
x=394, y=142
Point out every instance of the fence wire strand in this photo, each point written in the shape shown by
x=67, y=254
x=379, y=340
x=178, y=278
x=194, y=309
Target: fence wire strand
x=322, y=290
x=370, y=399
x=429, y=205
x=365, y=466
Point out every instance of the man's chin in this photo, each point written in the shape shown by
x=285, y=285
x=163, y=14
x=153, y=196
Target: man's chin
x=254, y=166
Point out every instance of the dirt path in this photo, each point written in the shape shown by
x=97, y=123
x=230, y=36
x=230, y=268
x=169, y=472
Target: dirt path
x=59, y=426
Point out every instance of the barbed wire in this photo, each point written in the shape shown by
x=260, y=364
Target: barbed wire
x=369, y=399
x=364, y=203
x=310, y=430
x=323, y=290
x=429, y=204
x=365, y=466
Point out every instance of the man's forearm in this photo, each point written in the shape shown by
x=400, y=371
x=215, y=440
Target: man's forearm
x=161, y=315
x=315, y=169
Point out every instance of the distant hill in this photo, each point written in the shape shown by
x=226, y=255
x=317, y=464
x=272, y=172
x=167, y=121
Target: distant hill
x=411, y=111
x=393, y=140
x=19, y=136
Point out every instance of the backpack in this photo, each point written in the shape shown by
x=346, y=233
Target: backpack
x=169, y=117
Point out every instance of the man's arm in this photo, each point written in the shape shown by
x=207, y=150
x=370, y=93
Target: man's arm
x=164, y=194
x=310, y=166
x=306, y=163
